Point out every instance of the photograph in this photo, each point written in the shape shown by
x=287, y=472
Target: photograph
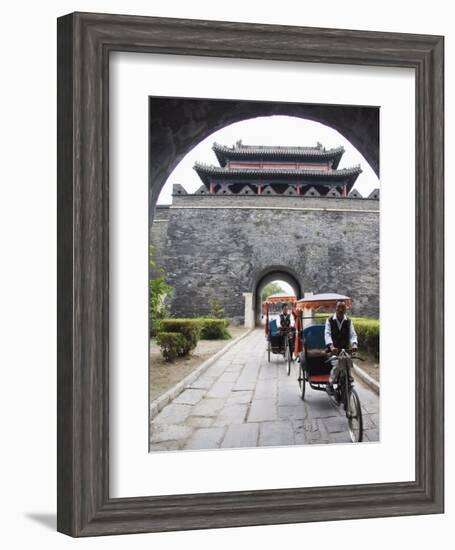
x=264, y=274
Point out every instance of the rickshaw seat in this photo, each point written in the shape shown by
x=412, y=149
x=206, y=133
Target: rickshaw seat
x=312, y=353
x=319, y=378
x=273, y=328
x=313, y=337
x=316, y=354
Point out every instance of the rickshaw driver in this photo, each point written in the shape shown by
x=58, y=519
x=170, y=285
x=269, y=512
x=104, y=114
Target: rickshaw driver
x=285, y=323
x=339, y=334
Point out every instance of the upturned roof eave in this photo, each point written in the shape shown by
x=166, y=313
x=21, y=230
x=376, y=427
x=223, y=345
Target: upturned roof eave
x=245, y=152
x=233, y=173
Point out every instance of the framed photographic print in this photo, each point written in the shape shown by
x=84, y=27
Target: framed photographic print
x=250, y=252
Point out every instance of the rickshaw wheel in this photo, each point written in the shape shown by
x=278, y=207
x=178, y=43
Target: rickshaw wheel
x=289, y=360
x=301, y=379
x=354, y=416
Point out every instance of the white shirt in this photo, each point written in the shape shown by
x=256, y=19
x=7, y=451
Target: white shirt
x=328, y=330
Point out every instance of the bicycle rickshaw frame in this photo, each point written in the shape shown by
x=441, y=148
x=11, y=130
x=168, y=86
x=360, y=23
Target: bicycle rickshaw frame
x=283, y=350
x=320, y=381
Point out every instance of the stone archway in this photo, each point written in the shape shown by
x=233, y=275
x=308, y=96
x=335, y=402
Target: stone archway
x=179, y=124
x=273, y=273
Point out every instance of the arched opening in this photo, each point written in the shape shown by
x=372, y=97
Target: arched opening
x=280, y=280
x=177, y=125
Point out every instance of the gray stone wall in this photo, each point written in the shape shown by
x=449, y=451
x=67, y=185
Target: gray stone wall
x=221, y=246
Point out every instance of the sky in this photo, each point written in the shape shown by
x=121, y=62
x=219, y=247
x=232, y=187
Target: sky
x=270, y=130
x=287, y=288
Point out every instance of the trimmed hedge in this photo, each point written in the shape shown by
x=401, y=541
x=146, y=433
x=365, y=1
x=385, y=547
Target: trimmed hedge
x=190, y=329
x=368, y=331
x=214, y=329
x=178, y=337
x=172, y=345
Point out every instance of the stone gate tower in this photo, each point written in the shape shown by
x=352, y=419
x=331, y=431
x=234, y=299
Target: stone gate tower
x=268, y=213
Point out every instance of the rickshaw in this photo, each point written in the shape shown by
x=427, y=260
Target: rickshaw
x=276, y=344
x=316, y=361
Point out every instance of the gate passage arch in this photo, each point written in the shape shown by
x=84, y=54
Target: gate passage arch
x=275, y=273
x=177, y=125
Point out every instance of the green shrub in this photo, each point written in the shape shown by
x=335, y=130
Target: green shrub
x=172, y=345
x=190, y=329
x=159, y=290
x=216, y=308
x=214, y=329
x=367, y=330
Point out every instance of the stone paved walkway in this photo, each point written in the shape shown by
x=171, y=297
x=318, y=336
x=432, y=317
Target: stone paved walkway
x=242, y=400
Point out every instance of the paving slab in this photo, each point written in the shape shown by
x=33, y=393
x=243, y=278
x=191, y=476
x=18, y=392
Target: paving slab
x=220, y=389
x=340, y=437
x=268, y=372
x=169, y=432
x=203, y=382
x=190, y=396
x=245, y=383
x=231, y=414
x=310, y=431
x=230, y=376
x=240, y=396
x=208, y=407
x=199, y=421
x=262, y=410
x=276, y=433
x=174, y=413
x=372, y=435
x=370, y=421
x=205, y=438
x=241, y=435
x=336, y=424
x=292, y=412
x=266, y=389
x=166, y=446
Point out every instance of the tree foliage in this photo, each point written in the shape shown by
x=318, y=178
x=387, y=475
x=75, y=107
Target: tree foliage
x=271, y=288
x=159, y=290
x=216, y=309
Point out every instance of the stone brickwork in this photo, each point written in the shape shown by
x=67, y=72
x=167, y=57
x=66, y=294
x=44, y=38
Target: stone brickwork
x=214, y=246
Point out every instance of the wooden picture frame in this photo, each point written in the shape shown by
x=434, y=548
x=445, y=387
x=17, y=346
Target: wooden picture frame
x=84, y=43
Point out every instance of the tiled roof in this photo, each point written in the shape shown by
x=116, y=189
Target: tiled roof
x=241, y=151
x=274, y=173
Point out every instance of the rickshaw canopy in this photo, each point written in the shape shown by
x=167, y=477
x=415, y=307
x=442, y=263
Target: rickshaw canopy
x=322, y=300
x=281, y=297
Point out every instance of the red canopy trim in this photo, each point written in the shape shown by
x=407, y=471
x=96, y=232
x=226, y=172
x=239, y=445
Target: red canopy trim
x=322, y=300
x=277, y=298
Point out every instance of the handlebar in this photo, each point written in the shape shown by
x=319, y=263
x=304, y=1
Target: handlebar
x=351, y=355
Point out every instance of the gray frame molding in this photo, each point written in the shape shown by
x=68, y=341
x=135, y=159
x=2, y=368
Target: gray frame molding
x=84, y=43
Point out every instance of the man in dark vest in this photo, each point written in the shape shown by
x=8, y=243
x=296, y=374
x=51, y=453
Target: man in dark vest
x=285, y=324
x=339, y=334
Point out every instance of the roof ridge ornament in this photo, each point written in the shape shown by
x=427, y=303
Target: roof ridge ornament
x=178, y=189
x=374, y=194
x=312, y=192
x=354, y=194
